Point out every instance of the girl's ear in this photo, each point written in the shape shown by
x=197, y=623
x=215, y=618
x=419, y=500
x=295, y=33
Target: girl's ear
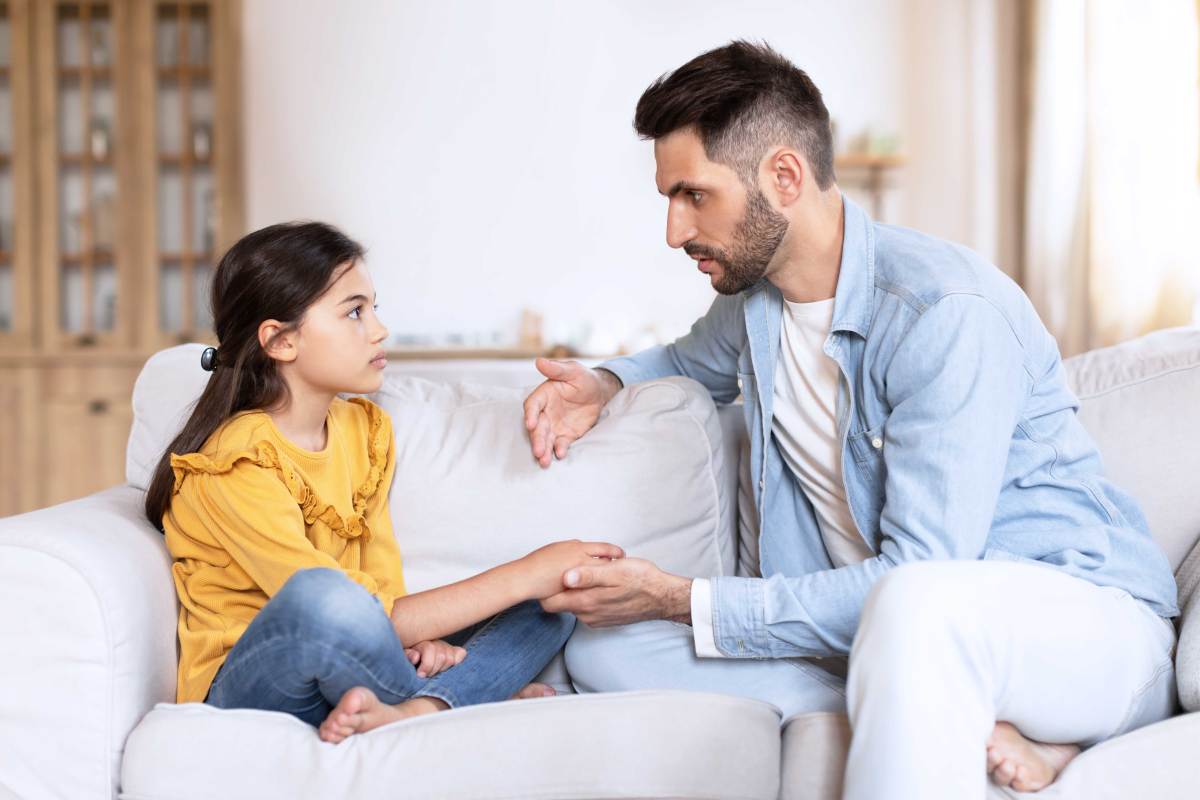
x=277, y=340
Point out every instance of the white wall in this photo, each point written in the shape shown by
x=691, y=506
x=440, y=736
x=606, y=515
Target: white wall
x=484, y=153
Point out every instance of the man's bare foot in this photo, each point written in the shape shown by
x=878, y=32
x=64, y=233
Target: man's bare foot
x=1025, y=765
x=535, y=690
x=360, y=710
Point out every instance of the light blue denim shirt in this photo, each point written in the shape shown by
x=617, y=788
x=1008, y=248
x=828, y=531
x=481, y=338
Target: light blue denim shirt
x=960, y=440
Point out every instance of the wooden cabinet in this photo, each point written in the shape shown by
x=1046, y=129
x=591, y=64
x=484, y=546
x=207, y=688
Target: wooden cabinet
x=120, y=183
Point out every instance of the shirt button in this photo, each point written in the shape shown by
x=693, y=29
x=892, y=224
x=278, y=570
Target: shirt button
x=877, y=443
x=761, y=484
x=739, y=384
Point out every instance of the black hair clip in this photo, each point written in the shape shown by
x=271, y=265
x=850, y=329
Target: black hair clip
x=208, y=359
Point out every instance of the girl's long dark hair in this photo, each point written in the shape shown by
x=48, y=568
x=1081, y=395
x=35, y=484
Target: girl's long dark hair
x=274, y=273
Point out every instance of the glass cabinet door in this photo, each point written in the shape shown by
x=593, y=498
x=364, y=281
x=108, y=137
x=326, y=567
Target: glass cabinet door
x=186, y=143
x=16, y=177
x=83, y=260
x=7, y=278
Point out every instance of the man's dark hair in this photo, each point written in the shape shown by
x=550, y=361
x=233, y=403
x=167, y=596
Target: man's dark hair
x=742, y=98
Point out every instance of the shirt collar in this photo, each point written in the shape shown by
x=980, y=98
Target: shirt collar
x=854, y=300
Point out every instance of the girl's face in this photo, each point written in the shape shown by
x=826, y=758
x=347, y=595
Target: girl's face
x=339, y=344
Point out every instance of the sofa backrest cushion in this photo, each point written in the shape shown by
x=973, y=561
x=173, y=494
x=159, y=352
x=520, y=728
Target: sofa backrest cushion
x=1141, y=403
x=467, y=493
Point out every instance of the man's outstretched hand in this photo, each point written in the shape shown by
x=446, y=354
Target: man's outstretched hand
x=565, y=406
x=621, y=592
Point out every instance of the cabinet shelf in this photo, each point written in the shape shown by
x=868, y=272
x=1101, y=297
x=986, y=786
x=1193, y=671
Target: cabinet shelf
x=176, y=257
x=98, y=256
x=178, y=72
x=176, y=161
x=76, y=74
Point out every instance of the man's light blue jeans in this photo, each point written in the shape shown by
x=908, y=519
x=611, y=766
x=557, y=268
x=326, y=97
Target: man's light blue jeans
x=323, y=634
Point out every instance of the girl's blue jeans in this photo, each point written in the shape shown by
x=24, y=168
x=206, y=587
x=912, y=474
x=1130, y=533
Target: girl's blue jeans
x=323, y=634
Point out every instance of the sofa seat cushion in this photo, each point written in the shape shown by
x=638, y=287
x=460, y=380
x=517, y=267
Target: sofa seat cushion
x=1156, y=761
x=651, y=744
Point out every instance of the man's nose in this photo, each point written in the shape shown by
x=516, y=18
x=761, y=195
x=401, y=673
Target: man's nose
x=680, y=229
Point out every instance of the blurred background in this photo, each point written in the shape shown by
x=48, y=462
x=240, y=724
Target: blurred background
x=484, y=154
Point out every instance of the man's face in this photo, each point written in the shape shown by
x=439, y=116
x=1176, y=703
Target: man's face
x=731, y=232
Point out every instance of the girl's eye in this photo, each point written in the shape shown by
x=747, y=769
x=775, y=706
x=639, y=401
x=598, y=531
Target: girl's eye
x=356, y=312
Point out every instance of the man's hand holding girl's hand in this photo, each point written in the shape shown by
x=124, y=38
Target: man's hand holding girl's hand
x=541, y=572
x=433, y=657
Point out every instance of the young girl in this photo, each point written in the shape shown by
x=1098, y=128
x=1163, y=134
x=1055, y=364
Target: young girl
x=273, y=500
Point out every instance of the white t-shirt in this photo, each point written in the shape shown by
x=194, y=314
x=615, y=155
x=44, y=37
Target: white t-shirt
x=805, y=425
x=805, y=428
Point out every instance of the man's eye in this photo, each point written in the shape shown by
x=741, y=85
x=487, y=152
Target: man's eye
x=696, y=196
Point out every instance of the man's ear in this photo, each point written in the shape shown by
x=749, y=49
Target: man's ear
x=277, y=340
x=785, y=172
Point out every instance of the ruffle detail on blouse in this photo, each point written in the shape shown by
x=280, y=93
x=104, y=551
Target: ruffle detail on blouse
x=266, y=455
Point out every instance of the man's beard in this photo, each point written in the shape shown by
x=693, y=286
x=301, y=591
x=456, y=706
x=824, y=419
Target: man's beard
x=755, y=241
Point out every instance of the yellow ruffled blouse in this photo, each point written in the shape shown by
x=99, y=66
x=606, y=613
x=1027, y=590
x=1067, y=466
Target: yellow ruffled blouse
x=251, y=508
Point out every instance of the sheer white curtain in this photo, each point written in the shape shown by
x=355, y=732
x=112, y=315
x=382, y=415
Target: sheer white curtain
x=1112, y=199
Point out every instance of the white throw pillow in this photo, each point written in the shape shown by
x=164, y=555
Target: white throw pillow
x=468, y=495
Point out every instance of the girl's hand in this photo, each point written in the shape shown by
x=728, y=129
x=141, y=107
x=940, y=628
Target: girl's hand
x=542, y=570
x=433, y=657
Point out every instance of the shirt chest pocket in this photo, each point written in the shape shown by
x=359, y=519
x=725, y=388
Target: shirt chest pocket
x=866, y=474
x=866, y=447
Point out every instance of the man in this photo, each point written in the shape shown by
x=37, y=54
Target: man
x=929, y=503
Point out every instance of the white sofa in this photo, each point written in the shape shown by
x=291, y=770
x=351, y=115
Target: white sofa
x=88, y=612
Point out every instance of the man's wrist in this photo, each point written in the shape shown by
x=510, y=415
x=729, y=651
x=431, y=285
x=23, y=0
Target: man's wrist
x=612, y=383
x=679, y=600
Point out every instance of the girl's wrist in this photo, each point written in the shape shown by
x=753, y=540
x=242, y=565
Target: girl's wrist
x=514, y=582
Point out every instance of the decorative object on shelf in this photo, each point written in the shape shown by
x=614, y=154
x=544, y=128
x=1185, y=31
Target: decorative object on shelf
x=201, y=141
x=198, y=41
x=529, y=331
x=104, y=215
x=106, y=316
x=99, y=139
x=210, y=221
x=870, y=157
x=99, y=48
x=166, y=42
x=73, y=232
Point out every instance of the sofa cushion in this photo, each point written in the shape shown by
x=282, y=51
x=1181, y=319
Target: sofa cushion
x=468, y=494
x=1141, y=403
x=626, y=745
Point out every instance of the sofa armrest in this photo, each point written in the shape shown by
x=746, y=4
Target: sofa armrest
x=88, y=615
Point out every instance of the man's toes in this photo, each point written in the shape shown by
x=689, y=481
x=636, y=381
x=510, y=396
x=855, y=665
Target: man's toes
x=1004, y=772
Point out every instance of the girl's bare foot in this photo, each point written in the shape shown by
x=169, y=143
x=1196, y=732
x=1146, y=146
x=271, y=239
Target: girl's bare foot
x=360, y=710
x=1025, y=765
x=535, y=690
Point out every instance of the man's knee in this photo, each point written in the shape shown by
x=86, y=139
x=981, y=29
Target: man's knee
x=616, y=659
x=914, y=604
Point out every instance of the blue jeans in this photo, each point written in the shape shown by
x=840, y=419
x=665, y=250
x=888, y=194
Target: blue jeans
x=323, y=634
